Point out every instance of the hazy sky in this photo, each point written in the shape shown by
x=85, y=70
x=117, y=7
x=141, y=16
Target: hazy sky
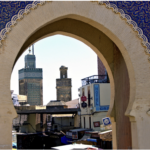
x=53, y=52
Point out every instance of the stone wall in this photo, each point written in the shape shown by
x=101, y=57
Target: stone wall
x=33, y=88
x=63, y=89
x=122, y=92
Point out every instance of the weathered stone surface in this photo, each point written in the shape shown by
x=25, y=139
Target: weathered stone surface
x=63, y=86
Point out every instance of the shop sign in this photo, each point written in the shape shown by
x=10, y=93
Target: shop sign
x=106, y=121
x=84, y=104
x=83, y=98
x=96, y=124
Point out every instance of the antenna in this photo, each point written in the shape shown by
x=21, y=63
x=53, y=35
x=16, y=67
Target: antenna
x=33, y=49
x=29, y=50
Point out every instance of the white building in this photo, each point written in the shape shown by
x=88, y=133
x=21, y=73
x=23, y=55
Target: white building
x=96, y=89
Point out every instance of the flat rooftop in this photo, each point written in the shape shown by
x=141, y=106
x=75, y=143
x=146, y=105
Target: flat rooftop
x=50, y=111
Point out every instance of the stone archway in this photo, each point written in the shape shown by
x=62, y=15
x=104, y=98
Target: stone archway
x=99, y=28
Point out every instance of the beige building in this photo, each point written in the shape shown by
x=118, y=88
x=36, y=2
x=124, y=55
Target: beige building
x=97, y=104
x=22, y=98
x=60, y=121
x=73, y=103
x=30, y=123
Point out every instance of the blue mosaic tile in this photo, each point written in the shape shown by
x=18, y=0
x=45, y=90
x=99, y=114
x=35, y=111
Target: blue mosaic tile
x=10, y=8
x=139, y=11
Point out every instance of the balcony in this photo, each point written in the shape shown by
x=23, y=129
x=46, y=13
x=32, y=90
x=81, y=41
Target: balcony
x=95, y=79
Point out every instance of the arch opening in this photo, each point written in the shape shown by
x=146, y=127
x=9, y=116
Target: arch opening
x=107, y=51
x=98, y=21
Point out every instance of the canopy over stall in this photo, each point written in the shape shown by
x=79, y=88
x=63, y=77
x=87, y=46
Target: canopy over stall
x=106, y=135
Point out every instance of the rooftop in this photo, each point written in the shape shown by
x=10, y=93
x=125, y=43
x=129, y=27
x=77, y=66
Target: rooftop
x=56, y=103
x=73, y=103
x=95, y=79
x=47, y=111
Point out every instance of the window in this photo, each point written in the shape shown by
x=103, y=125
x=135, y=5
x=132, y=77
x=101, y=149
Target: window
x=84, y=122
x=53, y=121
x=48, y=118
x=90, y=122
x=55, y=128
x=41, y=122
x=89, y=97
x=82, y=91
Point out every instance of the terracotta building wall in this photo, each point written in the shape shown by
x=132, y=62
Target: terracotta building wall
x=101, y=68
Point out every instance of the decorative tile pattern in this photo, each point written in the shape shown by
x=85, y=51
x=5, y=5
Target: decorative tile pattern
x=10, y=8
x=29, y=75
x=137, y=13
x=9, y=18
x=130, y=21
x=33, y=94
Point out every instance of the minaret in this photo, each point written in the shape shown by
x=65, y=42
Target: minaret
x=33, y=49
x=31, y=80
x=63, y=72
x=30, y=61
x=63, y=86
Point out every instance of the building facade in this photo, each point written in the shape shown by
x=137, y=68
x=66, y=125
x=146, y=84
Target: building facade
x=96, y=104
x=60, y=121
x=31, y=81
x=63, y=86
x=101, y=67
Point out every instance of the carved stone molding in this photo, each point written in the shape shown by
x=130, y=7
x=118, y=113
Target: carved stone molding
x=132, y=23
x=19, y=16
x=29, y=7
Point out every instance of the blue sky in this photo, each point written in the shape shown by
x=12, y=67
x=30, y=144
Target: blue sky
x=53, y=52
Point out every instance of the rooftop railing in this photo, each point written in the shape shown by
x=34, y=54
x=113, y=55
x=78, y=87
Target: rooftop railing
x=95, y=79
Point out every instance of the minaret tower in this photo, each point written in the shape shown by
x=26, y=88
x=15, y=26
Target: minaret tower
x=63, y=85
x=63, y=72
x=30, y=59
x=31, y=80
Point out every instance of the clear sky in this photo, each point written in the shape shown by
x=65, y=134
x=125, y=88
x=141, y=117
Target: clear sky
x=53, y=52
